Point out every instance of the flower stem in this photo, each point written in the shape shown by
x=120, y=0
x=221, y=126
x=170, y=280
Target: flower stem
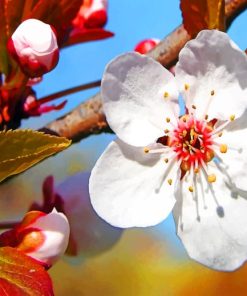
x=8, y=225
x=69, y=91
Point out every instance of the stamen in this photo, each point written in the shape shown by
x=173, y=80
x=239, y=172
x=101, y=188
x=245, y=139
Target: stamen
x=168, y=119
x=146, y=150
x=169, y=181
x=206, y=117
x=193, y=106
x=212, y=93
x=232, y=117
x=209, y=155
x=166, y=160
x=221, y=127
x=159, y=150
x=186, y=86
x=184, y=133
x=211, y=178
x=166, y=131
x=202, y=191
x=223, y=148
x=166, y=94
x=196, y=170
x=191, y=189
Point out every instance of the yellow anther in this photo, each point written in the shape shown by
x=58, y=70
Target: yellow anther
x=220, y=134
x=166, y=131
x=223, y=148
x=168, y=119
x=211, y=178
x=191, y=189
x=166, y=160
x=184, y=118
x=193, y=106
x=146, y=150
x=209, y=155
x=166, y=94
x=196, y=170
x=186, y=86
x=212, y=92
x=184, y=133
x=169, y=181
x=206, y=117
x=232, y=117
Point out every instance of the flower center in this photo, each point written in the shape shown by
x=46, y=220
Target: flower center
x=192, y=142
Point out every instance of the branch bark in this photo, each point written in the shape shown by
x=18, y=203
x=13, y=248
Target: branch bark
x=89, y=118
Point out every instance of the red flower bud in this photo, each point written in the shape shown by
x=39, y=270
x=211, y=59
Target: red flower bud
x=92, y=14
x=44, y=237
x=146, y=45
x=34, y=46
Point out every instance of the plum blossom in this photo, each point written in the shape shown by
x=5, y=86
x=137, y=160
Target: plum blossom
x=193, y=164
x=34, y=46
x=44, y=237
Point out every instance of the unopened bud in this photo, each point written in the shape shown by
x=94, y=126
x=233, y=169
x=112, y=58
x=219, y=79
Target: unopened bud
x=92, y=14
x=34, y=46
x=43, y=237
x=146, y=45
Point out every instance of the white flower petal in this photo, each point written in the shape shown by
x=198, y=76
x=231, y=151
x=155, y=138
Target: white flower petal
x=133, y=88
x=26, y=36
x=234, y=161
x=214, y=70
x=55, y=228
x=214, y=235
x=129, y=188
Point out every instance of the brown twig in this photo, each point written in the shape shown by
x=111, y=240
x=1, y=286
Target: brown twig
x=88, y=118
x=8, y=225
x=69, y=91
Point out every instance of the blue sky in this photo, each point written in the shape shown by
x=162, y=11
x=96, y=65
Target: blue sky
x=131, y=21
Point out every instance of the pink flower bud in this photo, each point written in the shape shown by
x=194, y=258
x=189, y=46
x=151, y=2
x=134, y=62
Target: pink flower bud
x=34, y=46
x=146, y=45
x=44, y=237
x=92, y=14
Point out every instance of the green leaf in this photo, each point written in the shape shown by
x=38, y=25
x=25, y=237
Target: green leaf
x=21, y=149
x=203, y=14
x=20, y=275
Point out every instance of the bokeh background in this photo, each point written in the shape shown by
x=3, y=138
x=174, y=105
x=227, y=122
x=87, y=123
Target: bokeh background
x=142, y=262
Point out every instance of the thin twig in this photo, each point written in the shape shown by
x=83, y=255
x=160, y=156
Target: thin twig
x=69, y=91
x=8, y=225
x=88, y=118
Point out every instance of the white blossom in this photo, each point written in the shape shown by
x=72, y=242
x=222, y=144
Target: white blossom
x=193, y=164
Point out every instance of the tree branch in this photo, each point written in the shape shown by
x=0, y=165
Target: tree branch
x=88, y=118
x=69, y=91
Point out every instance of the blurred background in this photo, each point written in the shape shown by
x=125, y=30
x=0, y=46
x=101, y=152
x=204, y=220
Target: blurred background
x=142, y=262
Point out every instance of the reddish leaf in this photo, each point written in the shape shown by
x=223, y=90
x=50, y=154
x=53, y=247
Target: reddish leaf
x=22, y=276
x=203, y=14
x=85, y=35
x=3, y=39
x=57, y=13
x=13, y=14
